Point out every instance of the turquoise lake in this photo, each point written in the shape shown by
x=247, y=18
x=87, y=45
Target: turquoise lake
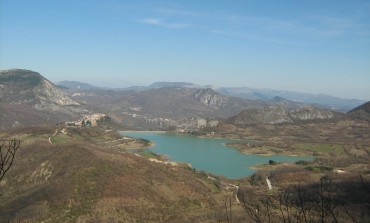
x=210, y=155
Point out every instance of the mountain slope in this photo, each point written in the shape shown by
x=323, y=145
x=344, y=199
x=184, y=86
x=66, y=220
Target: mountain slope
x=362, y=108
x=27, y=98
x=361, y=112
x=279, y=114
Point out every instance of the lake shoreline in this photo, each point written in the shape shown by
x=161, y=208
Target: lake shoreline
x=267, y=153
x=211, y=155
x=144, y=131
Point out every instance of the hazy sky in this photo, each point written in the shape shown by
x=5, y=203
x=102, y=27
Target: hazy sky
x=311, y=46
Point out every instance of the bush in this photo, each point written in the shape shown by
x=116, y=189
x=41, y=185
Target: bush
x=301, y=162
x=272, y=162
x=319, y=169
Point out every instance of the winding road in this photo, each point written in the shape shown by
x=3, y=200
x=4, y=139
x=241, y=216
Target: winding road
x=55, y=133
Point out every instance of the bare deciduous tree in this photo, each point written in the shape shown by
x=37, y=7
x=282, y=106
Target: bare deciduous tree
x=318, y=202
x=259, y=211
x=8, y=149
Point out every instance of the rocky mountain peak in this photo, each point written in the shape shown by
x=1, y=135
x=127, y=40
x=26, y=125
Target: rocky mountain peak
x=28, y=99
x=25, y=86
x=27, y=77
x=210, y=98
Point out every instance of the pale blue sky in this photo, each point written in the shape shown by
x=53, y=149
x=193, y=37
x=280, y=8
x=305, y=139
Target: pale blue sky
x=307, y=45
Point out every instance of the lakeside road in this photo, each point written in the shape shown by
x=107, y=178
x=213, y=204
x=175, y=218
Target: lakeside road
x=236, y=194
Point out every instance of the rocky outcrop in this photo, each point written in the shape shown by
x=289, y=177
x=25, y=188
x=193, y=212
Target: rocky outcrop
x=52, y=99
x=192, y=124
x=310, y=113
x=280, y=114
x=46, y=91
x=210, y=98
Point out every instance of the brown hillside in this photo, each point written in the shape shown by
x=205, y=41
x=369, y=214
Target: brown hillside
x=361, y=112
x=83, y=182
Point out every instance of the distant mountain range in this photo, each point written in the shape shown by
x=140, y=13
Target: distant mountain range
x=27, y=98
x=170, y=104
x=174, y=85
x=321, y=100
x=162, y=107
x=76, y=85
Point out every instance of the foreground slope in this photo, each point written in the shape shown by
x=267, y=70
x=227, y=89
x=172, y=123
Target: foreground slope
x=81, y=179
x=27, y=98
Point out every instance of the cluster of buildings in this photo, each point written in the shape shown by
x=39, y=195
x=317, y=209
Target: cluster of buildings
x=88, y=120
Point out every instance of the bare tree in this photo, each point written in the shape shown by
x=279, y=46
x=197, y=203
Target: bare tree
x=360, y=212
x=296, y=204
x=259, y=211
x=229, y=218
x=325, y=193
x=8, y=149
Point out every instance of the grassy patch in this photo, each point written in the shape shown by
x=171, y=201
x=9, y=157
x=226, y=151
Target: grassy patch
x=3, y=135
x=148, y=154
x=214, y=188
x=144, y=142
x=78, y=137
x=28, y=138
x=319, y=169
x=33, y=138
x=59, y=139
x=103, y=138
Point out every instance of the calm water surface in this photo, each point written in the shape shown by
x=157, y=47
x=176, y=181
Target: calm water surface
x=210, y=155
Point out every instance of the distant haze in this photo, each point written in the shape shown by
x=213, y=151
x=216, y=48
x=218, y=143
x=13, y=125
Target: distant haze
x=307, y=46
